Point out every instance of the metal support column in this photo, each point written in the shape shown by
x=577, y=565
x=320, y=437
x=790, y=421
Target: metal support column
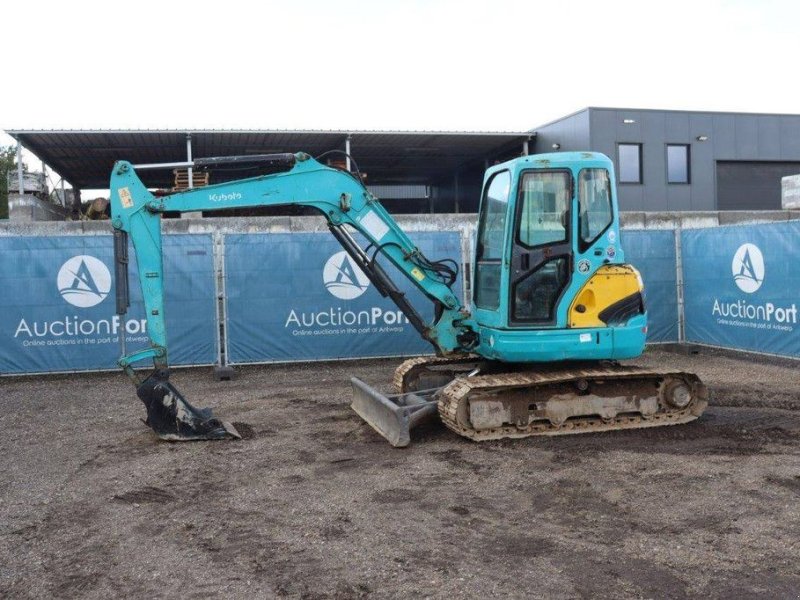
x=63, y=194
x=20, y=178
x=189, y=171
x=347, y=151
x=456, y=192
x=190, y=175
x=76, y=203
x=46, y=190
x=525, y=147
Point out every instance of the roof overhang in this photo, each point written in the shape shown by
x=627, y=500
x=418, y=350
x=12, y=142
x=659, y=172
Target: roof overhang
x=85, y=158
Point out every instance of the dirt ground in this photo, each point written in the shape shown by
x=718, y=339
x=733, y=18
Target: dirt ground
x=317, y=505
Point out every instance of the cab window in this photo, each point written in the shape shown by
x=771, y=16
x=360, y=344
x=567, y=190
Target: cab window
x=544, y=204
x=594, y=205
x=489, y=251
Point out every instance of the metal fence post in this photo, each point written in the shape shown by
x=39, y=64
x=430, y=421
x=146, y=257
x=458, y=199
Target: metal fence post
x=464, y=244
x=222, y=370
x=679, y=285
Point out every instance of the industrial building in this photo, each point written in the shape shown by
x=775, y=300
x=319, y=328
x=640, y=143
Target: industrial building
x=670, y=160
x=665, y=160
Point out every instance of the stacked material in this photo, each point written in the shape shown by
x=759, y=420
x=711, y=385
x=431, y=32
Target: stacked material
x=790, y=192
x=199, y=179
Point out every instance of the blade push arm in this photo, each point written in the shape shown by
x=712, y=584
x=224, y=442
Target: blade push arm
x=337, y=195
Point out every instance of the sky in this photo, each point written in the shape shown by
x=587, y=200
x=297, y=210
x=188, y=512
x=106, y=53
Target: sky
x=504, y=65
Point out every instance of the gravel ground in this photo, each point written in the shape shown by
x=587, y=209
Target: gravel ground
x=315, y=504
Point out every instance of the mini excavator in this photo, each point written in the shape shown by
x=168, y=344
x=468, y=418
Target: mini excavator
x=554, y=306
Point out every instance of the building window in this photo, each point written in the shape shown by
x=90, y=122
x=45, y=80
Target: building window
x=677, y=163
x=630, y=163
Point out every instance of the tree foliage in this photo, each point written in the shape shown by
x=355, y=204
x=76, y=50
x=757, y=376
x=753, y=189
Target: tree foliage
x=8, y=156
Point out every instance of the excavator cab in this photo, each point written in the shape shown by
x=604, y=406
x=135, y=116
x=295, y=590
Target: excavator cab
x=548, y=262
x=553, y=306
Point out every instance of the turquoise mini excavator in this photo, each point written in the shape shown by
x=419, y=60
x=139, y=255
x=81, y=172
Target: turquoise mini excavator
x=554, y=305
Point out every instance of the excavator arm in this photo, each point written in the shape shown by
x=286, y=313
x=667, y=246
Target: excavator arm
x=337, y=195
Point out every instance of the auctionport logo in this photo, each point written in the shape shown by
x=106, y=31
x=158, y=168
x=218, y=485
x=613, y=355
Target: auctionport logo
x=84, y=281
x=343, y=278
x=748, y=271
x=748, y=268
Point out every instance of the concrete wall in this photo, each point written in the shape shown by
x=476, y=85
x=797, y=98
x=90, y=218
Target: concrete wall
x=25, y=208
x=465, y=222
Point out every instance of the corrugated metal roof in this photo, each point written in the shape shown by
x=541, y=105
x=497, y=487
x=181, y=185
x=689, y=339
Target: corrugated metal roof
x=85, y=158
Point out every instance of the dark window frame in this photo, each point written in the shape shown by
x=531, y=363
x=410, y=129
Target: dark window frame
x=640, y=146
x=513, y=320
x=688, y=147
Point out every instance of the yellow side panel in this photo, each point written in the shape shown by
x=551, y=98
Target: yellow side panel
x=610, y=284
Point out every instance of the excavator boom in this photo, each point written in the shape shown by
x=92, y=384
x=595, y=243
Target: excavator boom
x=337, y=195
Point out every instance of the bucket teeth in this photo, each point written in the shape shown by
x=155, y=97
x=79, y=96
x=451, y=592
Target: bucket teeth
x=173, y=419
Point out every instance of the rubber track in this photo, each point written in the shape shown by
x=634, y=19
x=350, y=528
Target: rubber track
x=407, y=367
x=459, y=390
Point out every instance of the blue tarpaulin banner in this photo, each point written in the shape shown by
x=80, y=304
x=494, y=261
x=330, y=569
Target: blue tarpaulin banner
x=742, y=287
x=652, y=252
x=57, y=307
x=299, y=296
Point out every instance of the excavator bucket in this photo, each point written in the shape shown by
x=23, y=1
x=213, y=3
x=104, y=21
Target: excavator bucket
x=393, y=416
x=174, y=419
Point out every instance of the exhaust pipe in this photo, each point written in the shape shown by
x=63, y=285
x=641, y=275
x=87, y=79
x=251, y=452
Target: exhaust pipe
x=171, y=416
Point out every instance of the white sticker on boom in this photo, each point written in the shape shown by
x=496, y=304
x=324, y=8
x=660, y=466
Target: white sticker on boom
x=125, y=197
x=586, y=337
x=374, y=225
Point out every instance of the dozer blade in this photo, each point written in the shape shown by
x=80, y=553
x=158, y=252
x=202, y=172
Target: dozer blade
x=173, y=418
x=392, y=416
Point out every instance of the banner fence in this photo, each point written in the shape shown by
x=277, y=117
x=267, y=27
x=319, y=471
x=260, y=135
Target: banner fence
x=57, y=308
x=298, y=297
x=742, y=287
x=653, y=253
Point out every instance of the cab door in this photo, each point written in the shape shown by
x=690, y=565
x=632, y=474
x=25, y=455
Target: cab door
x=490, y=249
x=541, y=248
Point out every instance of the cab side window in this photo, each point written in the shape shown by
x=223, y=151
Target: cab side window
x=594, y=205
x=491, y=232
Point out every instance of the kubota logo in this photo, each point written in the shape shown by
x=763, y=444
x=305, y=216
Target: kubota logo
x=84, y=281
x=748, y=268
x=343, y=278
